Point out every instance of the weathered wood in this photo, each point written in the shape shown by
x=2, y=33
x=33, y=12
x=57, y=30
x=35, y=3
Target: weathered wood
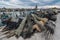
x=50, y=26
x=21, y=26
x=37, y=22
x=28, y=29
x=29, y=24
x=36, y=27
x=10, y=25
x=39, y=18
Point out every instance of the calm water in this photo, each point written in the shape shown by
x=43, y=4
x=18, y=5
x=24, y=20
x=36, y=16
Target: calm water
x=14, y=15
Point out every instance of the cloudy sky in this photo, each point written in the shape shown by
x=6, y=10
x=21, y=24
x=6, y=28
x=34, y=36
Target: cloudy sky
x=28, y=3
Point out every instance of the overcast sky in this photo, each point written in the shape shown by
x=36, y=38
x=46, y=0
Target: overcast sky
x=28, y=3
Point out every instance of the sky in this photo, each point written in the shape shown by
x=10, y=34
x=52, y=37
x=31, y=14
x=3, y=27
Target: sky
x=28, y=3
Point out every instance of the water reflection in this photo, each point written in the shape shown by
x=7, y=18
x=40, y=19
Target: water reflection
x=13, y=15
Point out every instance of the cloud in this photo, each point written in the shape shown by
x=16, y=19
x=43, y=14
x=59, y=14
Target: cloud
x=27, y=3
x=11, y=3
x=58, y=3
x=48, y=0
x=41, y=1
x=16, y=2
x=35, y=1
